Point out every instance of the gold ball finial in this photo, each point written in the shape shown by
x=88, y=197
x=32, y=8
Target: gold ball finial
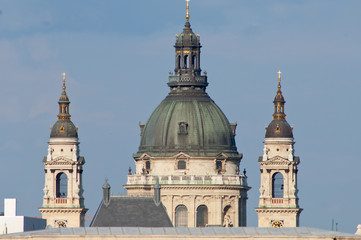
x=187, y=15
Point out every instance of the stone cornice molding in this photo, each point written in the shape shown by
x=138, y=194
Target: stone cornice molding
x=61, y=161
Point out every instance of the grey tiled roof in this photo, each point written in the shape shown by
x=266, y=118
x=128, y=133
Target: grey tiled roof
x=181, y=231
x=123, y=211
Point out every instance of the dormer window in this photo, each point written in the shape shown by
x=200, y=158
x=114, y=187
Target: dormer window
x=183, y=128
x=147, y=165
x=278, y=129
x=219, y=165
x=182, y=164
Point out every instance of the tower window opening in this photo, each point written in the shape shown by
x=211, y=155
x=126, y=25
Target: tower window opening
x=147, y=165
x=219, y=165
x=182, y=164
x=181, y=216
x=178, y=62
x=61, y=185
x=277, y=185
x=185, y=61
x=202, y=216
x=193, y=60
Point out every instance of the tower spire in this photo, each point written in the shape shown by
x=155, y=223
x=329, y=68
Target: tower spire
x=64, y=104
x=279, y=102
x=187, y=15
x=64, y=81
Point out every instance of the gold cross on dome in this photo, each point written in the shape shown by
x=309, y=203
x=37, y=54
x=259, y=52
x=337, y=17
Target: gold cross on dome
x=279, y=75
x=63, y=77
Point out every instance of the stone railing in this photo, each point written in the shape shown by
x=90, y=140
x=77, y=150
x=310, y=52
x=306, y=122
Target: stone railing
x=277, y=200
x=185, y=79
x=61, y=200
x=187, y=179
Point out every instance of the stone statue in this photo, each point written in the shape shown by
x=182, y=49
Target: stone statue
x=265, y=152
x=227, y=221
x=49, y=158
x=290, y=155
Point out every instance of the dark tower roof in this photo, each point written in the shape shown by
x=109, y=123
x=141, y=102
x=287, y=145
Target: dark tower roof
x=279, y=127
x=187, y=120
x=64, y=127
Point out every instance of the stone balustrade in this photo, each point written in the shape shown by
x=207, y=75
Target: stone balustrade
x=145, y=179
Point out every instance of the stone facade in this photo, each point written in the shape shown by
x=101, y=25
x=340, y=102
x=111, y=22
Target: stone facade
x=199, y=184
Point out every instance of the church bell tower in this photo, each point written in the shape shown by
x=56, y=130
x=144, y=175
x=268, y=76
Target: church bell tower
x=63, y=202
x=278, y=201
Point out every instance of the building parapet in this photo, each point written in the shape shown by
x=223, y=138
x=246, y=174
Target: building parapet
x=144, y=179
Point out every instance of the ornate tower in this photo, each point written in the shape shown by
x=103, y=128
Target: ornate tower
x=278, y=201
x=63, y=202
x=188, y=144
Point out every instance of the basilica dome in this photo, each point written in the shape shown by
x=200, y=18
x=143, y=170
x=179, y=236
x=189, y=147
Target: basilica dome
x=191, y=124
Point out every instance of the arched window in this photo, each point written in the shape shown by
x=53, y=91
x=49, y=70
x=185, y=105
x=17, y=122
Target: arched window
x=277, y=185
x=147, y=165
x=186, y=61
x=61, y=185
x=193, y=60
x=178, y=62
x=202, y=216
x=181, y=216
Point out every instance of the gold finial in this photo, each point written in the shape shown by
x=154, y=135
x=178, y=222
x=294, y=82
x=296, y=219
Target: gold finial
x=63, y=81
x=187, y=15
x=279, y=79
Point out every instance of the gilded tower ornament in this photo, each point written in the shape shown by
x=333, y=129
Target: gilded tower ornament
x=187, y=15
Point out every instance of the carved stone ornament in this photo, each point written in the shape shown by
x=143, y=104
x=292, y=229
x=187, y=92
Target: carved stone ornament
x=61, y=161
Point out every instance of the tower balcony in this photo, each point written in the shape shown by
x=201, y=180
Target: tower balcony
x=239, y=180
x=187, y=79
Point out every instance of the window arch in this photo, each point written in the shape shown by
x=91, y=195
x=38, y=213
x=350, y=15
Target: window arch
x=181, y=216
x=277, y=185
x=178, y=62
x=61, y=185
x=202, y=216
x=193, y=60
x=186, y=61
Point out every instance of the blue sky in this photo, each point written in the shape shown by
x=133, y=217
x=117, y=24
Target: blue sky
x=117, y=55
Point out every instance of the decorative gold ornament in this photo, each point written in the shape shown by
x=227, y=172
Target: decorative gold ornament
x=187, y=15
x=277, y=224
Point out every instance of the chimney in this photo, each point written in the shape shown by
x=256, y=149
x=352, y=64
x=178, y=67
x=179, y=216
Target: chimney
x=106, y=193
x=9, y=207
x=157, y=192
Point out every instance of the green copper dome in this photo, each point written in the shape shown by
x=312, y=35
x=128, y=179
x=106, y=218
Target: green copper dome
x=191, y=124
x=187, y=120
